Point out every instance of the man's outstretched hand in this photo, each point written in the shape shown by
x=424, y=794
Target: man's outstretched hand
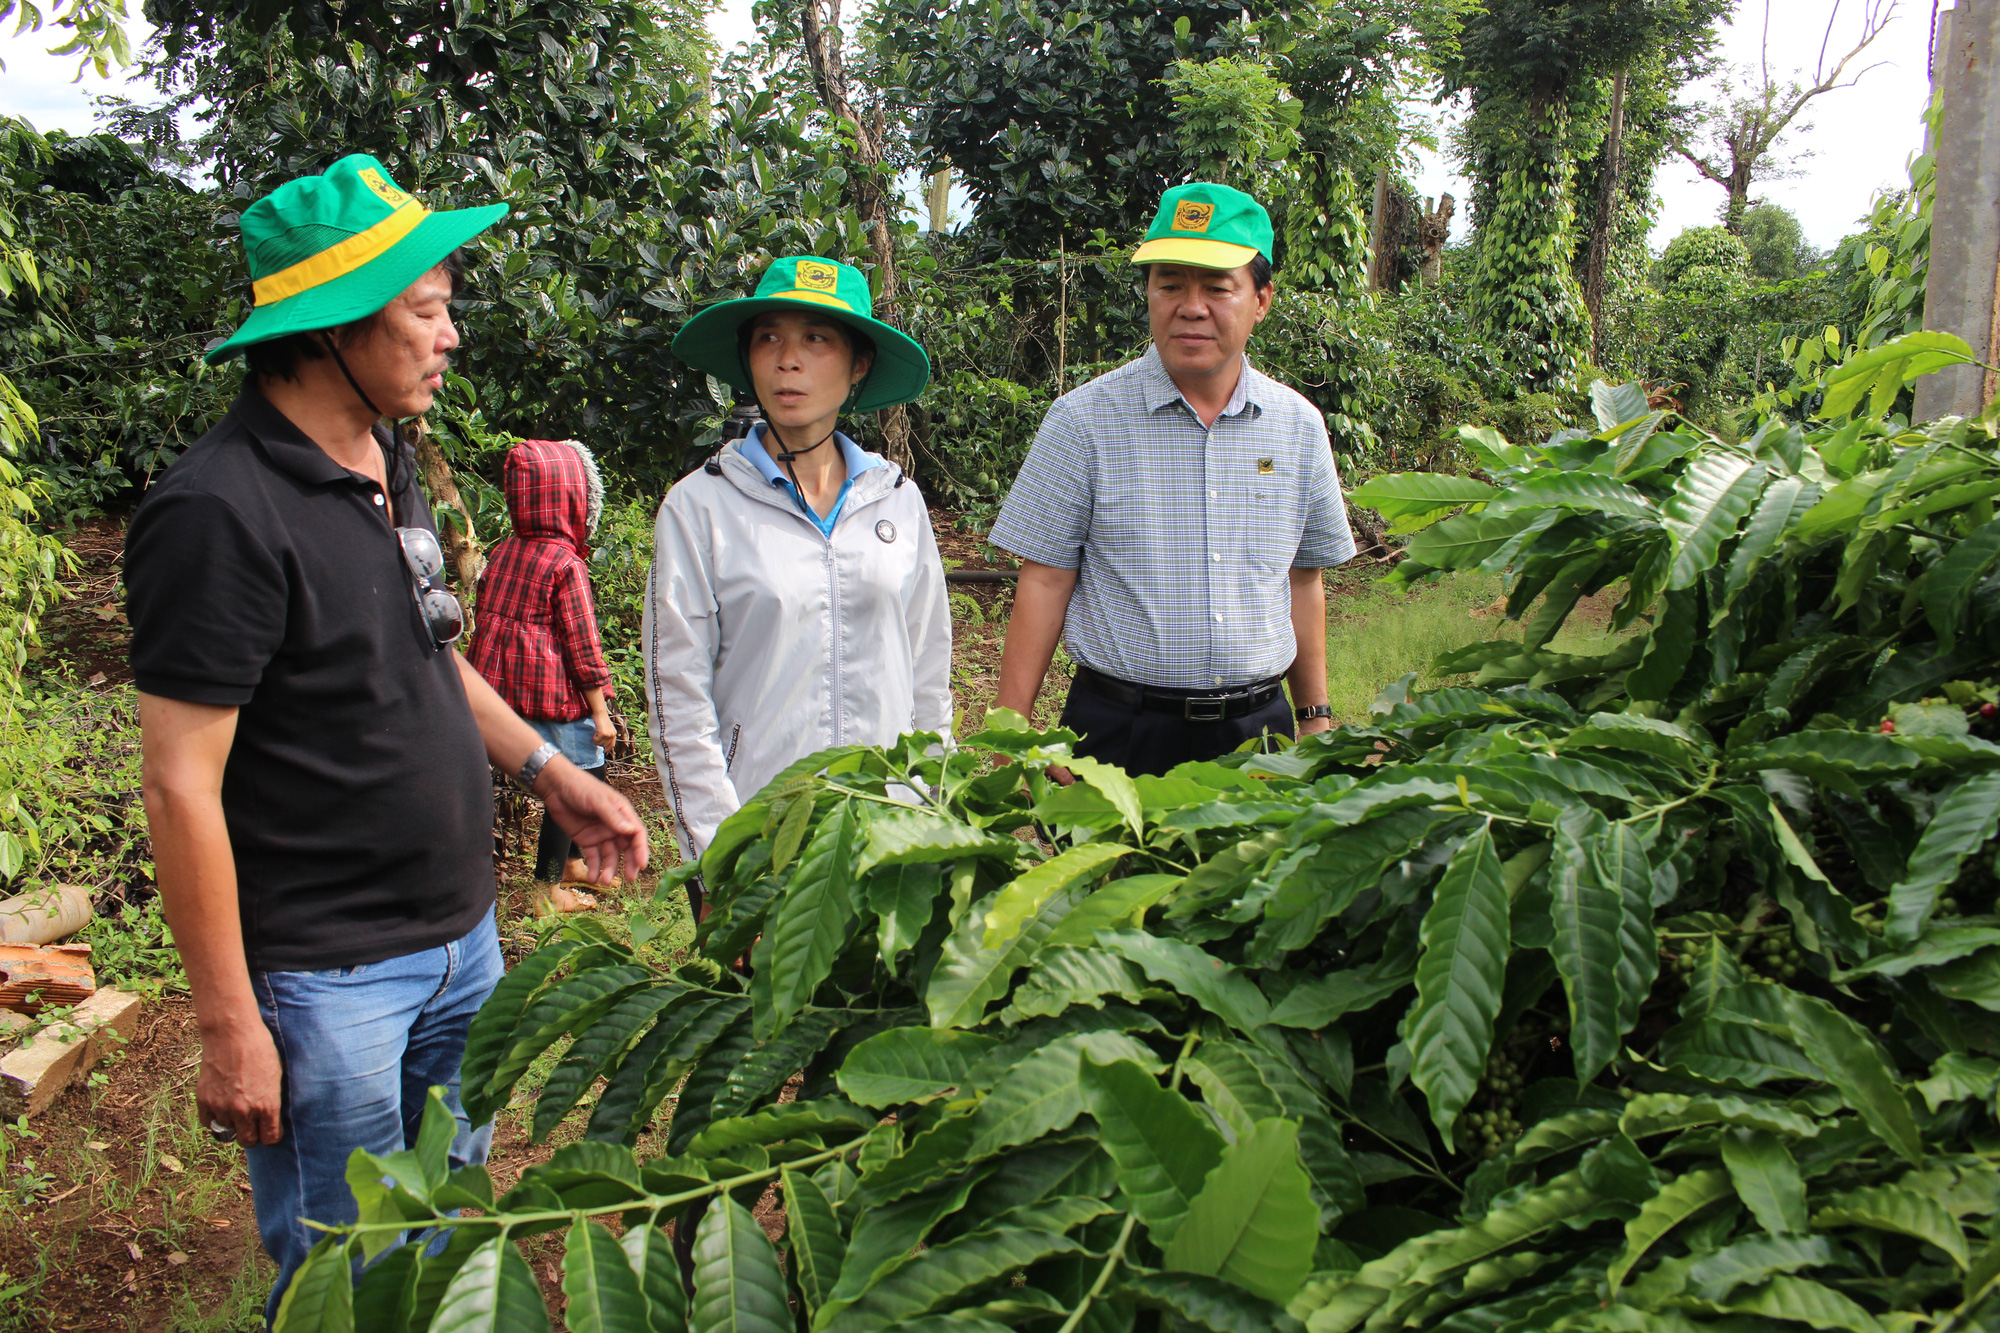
x=602, y=823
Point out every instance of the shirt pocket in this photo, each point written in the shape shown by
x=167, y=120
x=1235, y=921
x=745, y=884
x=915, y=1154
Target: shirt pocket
x=1271, y=507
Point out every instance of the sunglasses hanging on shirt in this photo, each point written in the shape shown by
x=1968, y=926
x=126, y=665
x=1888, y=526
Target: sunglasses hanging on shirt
x=444, y=617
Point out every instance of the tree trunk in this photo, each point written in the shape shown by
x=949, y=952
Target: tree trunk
x=939, y=199
x=1432, y=233
x=461, y=543
x=1378, y=220
x=1599, y=261
x=1962, y=283
x=872, y=200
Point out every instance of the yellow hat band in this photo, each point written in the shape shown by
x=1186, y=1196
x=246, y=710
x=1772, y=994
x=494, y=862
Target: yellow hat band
x=817, y=298
x=341, y=259
x=1200, y=253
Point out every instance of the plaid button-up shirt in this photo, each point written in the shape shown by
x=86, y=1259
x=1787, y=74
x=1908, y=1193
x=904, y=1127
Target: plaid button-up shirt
x=1181, y=535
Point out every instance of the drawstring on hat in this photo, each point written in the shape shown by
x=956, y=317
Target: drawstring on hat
x=395, y=459
x=326, y=340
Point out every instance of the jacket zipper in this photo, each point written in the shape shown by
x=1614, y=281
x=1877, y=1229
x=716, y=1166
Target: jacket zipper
x=735, y=735
x=834, y=691
x=836, y=699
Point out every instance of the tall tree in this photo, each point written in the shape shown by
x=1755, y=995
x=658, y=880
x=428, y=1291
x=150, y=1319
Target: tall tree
x=1536, y=72
x=1736, y=140
x=1347, y=65
x=871, y=183
x=1640, y=109
x=1050, y=112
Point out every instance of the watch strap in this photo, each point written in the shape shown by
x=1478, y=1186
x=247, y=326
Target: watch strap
x=533, y=766
x=1312, y=711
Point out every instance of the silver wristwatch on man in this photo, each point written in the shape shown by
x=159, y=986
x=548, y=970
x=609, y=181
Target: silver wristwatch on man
x=536, y=762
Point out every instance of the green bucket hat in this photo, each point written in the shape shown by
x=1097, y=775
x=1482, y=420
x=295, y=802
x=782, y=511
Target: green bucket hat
x=324, y=250
x=824, y=287
x=1208, y=225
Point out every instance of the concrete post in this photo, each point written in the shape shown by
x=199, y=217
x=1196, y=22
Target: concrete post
x=1962, y=289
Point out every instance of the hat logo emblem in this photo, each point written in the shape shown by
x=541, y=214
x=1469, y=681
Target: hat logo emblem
x=814, y=276
x=1191, y=215
x=886, y=530
x=384, y=188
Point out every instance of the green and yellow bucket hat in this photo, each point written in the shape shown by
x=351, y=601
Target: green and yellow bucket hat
x=1208, y=225
x=327, y=249
x=825, y=287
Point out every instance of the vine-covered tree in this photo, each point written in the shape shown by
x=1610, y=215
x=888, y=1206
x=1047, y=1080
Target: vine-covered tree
x=1537, y=72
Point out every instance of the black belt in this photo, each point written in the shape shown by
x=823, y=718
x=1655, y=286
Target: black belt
x=1191, y=707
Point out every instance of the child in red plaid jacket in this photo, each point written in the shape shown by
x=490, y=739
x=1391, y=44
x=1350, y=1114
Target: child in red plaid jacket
x=535, y=631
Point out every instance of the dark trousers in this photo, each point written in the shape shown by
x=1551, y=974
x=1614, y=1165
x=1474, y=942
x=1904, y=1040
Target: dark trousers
x=1140, y=740
x=553, y=848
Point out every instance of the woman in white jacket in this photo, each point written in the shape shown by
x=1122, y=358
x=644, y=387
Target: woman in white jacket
x=797, y=600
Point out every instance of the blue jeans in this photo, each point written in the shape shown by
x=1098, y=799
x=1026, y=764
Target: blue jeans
x=361, y=1048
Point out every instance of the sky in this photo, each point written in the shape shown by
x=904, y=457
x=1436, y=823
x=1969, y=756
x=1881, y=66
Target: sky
x=1857, y=142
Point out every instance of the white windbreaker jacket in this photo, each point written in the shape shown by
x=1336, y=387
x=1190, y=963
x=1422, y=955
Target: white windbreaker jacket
x=766, y=641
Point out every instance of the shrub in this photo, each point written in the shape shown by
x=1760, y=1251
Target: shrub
x=1648, y=988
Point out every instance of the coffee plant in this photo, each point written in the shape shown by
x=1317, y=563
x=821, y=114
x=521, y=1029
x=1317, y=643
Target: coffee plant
x=1654, y=989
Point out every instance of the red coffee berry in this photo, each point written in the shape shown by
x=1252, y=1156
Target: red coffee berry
x=1989, y=711
x=1888, y=726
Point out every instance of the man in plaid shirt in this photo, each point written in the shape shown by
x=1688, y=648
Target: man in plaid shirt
x=536, y=638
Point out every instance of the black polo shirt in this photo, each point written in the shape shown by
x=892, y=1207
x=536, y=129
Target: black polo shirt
x=262, y=575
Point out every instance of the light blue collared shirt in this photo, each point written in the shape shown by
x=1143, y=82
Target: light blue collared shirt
x=858, y=461
x=1182, y=534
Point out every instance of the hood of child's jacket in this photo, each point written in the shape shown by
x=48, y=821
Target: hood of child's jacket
x=548, y=492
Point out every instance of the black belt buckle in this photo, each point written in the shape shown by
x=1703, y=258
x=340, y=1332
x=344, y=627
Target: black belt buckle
x=1204, y=710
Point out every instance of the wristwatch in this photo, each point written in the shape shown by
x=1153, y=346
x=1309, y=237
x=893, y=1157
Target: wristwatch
x=536, y=762
x=1315, y=710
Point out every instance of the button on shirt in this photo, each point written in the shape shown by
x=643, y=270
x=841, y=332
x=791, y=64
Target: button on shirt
x=1181, y=535
x=857, y=460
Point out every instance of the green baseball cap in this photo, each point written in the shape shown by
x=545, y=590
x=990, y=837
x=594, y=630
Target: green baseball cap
x=824, y=287
x=327, y=249
x=1208, y=225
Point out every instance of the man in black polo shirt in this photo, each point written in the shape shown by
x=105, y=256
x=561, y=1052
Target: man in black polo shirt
x=316, y=753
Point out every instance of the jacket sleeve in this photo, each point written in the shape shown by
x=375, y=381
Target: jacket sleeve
x=682, y=635
x=928, y=616
x=575, y=622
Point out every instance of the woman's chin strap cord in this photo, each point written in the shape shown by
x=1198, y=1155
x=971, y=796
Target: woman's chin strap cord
x=786, y=456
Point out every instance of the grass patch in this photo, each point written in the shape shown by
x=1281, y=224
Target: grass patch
x=1375, y=637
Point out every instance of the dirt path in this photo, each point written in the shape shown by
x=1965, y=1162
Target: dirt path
x=125, y=1215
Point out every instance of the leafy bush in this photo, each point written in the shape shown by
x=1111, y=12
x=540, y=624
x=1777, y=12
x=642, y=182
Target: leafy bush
x=1649, y=989
x=1701, y=248
x=1775, y=243
x=69, y=786
x=105, y=343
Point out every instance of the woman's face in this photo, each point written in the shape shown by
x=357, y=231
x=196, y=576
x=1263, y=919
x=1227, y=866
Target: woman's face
x=802, y=366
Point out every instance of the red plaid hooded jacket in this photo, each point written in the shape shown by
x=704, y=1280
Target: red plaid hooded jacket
x=535, y=635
